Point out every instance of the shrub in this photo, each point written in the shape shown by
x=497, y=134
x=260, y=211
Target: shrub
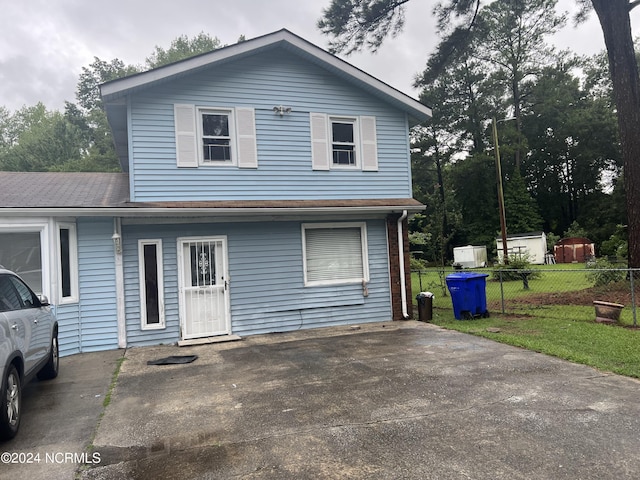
x=518, y=265
x=603, y=273
x=417, y=264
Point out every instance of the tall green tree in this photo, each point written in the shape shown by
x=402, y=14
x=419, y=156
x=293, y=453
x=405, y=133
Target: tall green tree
x=35, y=139
x=623, y=66
x=88, y=112
x=521, y=210
x=428, y=164
x=40, y=140
x=490, y=78
x=354, y=24
x=97, y=72
x=88, y=115
x=572, y=135
x=511, y=40
x=462, y=97
x=473, y=182
x=182, y=47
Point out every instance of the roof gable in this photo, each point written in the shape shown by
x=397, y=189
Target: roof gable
x=114, y=92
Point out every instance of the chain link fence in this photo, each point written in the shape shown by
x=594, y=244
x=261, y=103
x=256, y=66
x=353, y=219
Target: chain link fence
x=551, y=291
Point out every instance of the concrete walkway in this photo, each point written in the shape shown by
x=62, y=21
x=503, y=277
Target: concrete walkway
x=399, y=400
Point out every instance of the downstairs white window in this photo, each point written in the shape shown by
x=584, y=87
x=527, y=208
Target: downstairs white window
x=335, y=253
x=67, y=263
x=151, y=284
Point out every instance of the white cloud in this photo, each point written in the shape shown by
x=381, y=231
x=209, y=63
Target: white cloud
x=44, y=44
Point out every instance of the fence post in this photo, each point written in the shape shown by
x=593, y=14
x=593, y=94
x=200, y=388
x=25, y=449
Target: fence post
x=501, y=290
x=633, y=298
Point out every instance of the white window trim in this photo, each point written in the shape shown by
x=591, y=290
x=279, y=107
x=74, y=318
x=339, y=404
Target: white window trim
x=43, y=229
x=364, y=253
x=357, y=150
x=73, y=262
x=232, y=134
x=365, y=138
x=143, y=288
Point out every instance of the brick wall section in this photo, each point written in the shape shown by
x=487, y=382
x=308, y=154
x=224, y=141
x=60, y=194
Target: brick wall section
x=394, y=266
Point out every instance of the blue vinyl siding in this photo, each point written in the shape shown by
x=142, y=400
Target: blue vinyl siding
x=97, y=309
x=284, y=146
x=68, y=317
x=266, y=280
x=268, y=292
x=135, y=334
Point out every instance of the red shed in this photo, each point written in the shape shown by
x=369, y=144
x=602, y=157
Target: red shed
x=573, y=250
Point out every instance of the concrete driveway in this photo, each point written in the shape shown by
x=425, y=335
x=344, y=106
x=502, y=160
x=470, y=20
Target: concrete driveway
x=399, y=400
x=59, y=419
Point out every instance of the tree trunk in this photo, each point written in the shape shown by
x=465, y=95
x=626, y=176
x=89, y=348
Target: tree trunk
x=444, y=225
x=616, y=26
x=515, y=90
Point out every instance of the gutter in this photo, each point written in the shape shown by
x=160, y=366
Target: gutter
x=403, y=283
x=199, y=212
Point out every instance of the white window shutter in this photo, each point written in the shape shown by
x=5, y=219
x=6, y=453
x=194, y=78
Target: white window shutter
x=319, y=141
x=246, y=138
x=186, y=141
x=369, y=141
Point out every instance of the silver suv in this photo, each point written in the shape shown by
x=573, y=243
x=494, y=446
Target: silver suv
x=28, y=346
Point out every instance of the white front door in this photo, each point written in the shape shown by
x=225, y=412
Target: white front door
x=204, y=296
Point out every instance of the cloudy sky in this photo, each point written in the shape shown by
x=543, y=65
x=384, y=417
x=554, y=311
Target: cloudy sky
x=45, y=43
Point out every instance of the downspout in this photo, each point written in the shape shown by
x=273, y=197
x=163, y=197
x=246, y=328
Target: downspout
x=120, y=311
x=403, y=283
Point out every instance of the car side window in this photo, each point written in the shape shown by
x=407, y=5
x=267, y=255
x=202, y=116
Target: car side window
x=27, y=297
x=9, y=299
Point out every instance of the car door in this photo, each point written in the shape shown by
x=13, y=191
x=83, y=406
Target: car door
x=19, y=326
x=39, y=319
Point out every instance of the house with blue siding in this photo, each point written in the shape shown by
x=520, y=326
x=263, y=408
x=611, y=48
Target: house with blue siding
x=265, y=187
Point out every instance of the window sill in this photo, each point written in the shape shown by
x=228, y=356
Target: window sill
x=153, y=327
x=69, y=301
x=336, y=283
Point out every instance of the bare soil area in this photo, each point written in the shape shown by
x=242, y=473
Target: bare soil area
x=619, y=292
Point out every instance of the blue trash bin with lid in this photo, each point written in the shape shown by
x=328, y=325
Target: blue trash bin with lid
x=468, y=294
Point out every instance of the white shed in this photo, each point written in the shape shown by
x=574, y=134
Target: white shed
x=470, y=256
x=533, y=244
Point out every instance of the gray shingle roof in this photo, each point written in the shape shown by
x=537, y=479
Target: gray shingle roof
x=50, y=190
x=62, y=189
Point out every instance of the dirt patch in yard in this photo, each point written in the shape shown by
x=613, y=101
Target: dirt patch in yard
x=619, y=292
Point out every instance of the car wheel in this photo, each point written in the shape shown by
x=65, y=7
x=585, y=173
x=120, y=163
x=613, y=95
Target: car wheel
x=50, y=370
x=10, y=404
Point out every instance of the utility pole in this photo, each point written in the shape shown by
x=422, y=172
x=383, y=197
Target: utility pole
x=503, y=221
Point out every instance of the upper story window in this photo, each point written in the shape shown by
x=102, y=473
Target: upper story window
x=216, y=134
x=212, y=136
x=343, y=142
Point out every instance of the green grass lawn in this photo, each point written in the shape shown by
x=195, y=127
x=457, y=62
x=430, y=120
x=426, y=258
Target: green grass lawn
x=553, y=278
x=564, y=331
